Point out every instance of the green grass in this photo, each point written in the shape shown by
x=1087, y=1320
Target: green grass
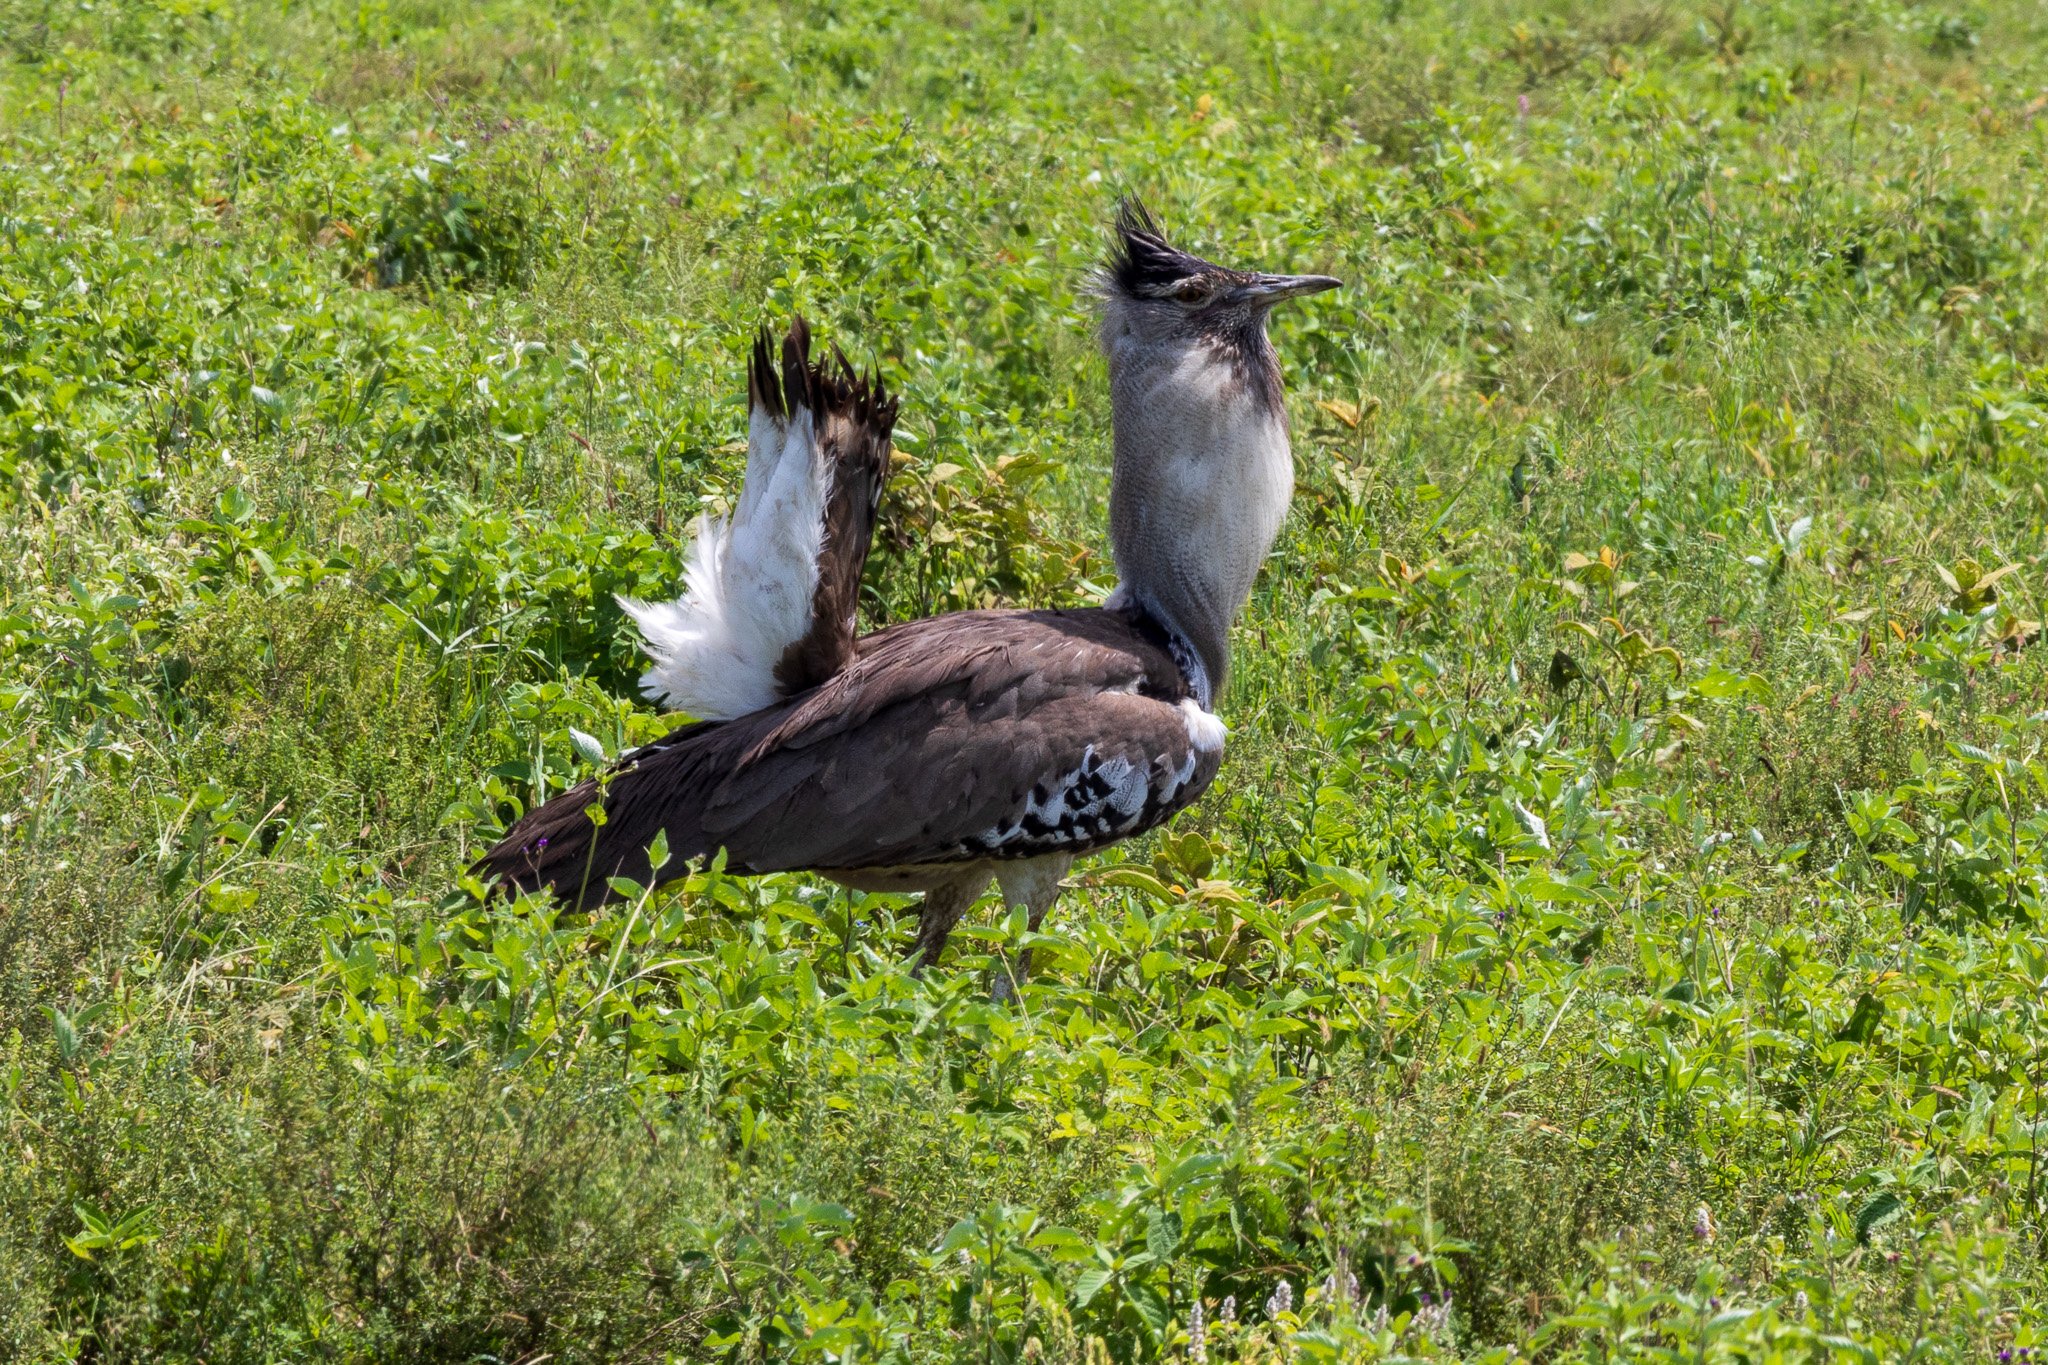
x=1624, y=912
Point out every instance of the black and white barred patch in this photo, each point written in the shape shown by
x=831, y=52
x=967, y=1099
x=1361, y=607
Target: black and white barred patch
x=1097, y=803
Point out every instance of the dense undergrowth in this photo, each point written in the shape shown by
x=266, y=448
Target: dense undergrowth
x=1619, y=932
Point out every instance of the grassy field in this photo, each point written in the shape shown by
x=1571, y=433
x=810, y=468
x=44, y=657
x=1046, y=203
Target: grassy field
x=1620, y=931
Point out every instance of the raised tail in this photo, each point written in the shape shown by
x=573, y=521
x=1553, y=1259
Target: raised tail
x=770, y=596
x=853, y=416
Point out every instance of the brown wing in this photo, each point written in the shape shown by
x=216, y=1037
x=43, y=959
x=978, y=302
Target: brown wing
x=978, y=735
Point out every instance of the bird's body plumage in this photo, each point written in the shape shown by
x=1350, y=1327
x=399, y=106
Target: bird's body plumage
x=978, y=737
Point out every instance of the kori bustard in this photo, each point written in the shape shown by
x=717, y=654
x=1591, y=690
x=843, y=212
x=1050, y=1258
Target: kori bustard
x=940, y=754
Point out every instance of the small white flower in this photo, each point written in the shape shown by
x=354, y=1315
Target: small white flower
x=1198, y=1335
x=1703, y=1224
x=1227, y=1311
x=1800, y=1303
x=1282, y=1300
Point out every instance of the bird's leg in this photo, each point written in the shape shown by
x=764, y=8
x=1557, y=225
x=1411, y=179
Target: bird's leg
x=1033, y=883
x=943, y=906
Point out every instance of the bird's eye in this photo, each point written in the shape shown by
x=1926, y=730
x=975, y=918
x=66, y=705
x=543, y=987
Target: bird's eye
x=1194, y=289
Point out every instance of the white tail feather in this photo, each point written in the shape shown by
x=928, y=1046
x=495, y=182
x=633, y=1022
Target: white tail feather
x=748, y=584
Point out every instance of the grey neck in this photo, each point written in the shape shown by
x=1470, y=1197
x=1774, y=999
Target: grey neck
x=1201, y=477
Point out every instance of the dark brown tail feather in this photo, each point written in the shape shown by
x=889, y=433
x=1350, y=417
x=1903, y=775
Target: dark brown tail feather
x=855, y=416
x=555, y=846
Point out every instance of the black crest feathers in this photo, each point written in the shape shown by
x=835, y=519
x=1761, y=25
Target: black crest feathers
x=1142, y=263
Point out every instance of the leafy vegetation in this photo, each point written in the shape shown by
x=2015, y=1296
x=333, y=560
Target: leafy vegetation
x=1619, y=935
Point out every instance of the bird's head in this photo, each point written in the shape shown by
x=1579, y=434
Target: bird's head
x=1155, y=294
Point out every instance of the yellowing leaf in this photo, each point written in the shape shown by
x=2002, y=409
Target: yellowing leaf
x=1988, y=579
x=1347, y=413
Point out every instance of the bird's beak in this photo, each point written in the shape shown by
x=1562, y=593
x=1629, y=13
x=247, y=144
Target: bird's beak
x=1270, y=289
